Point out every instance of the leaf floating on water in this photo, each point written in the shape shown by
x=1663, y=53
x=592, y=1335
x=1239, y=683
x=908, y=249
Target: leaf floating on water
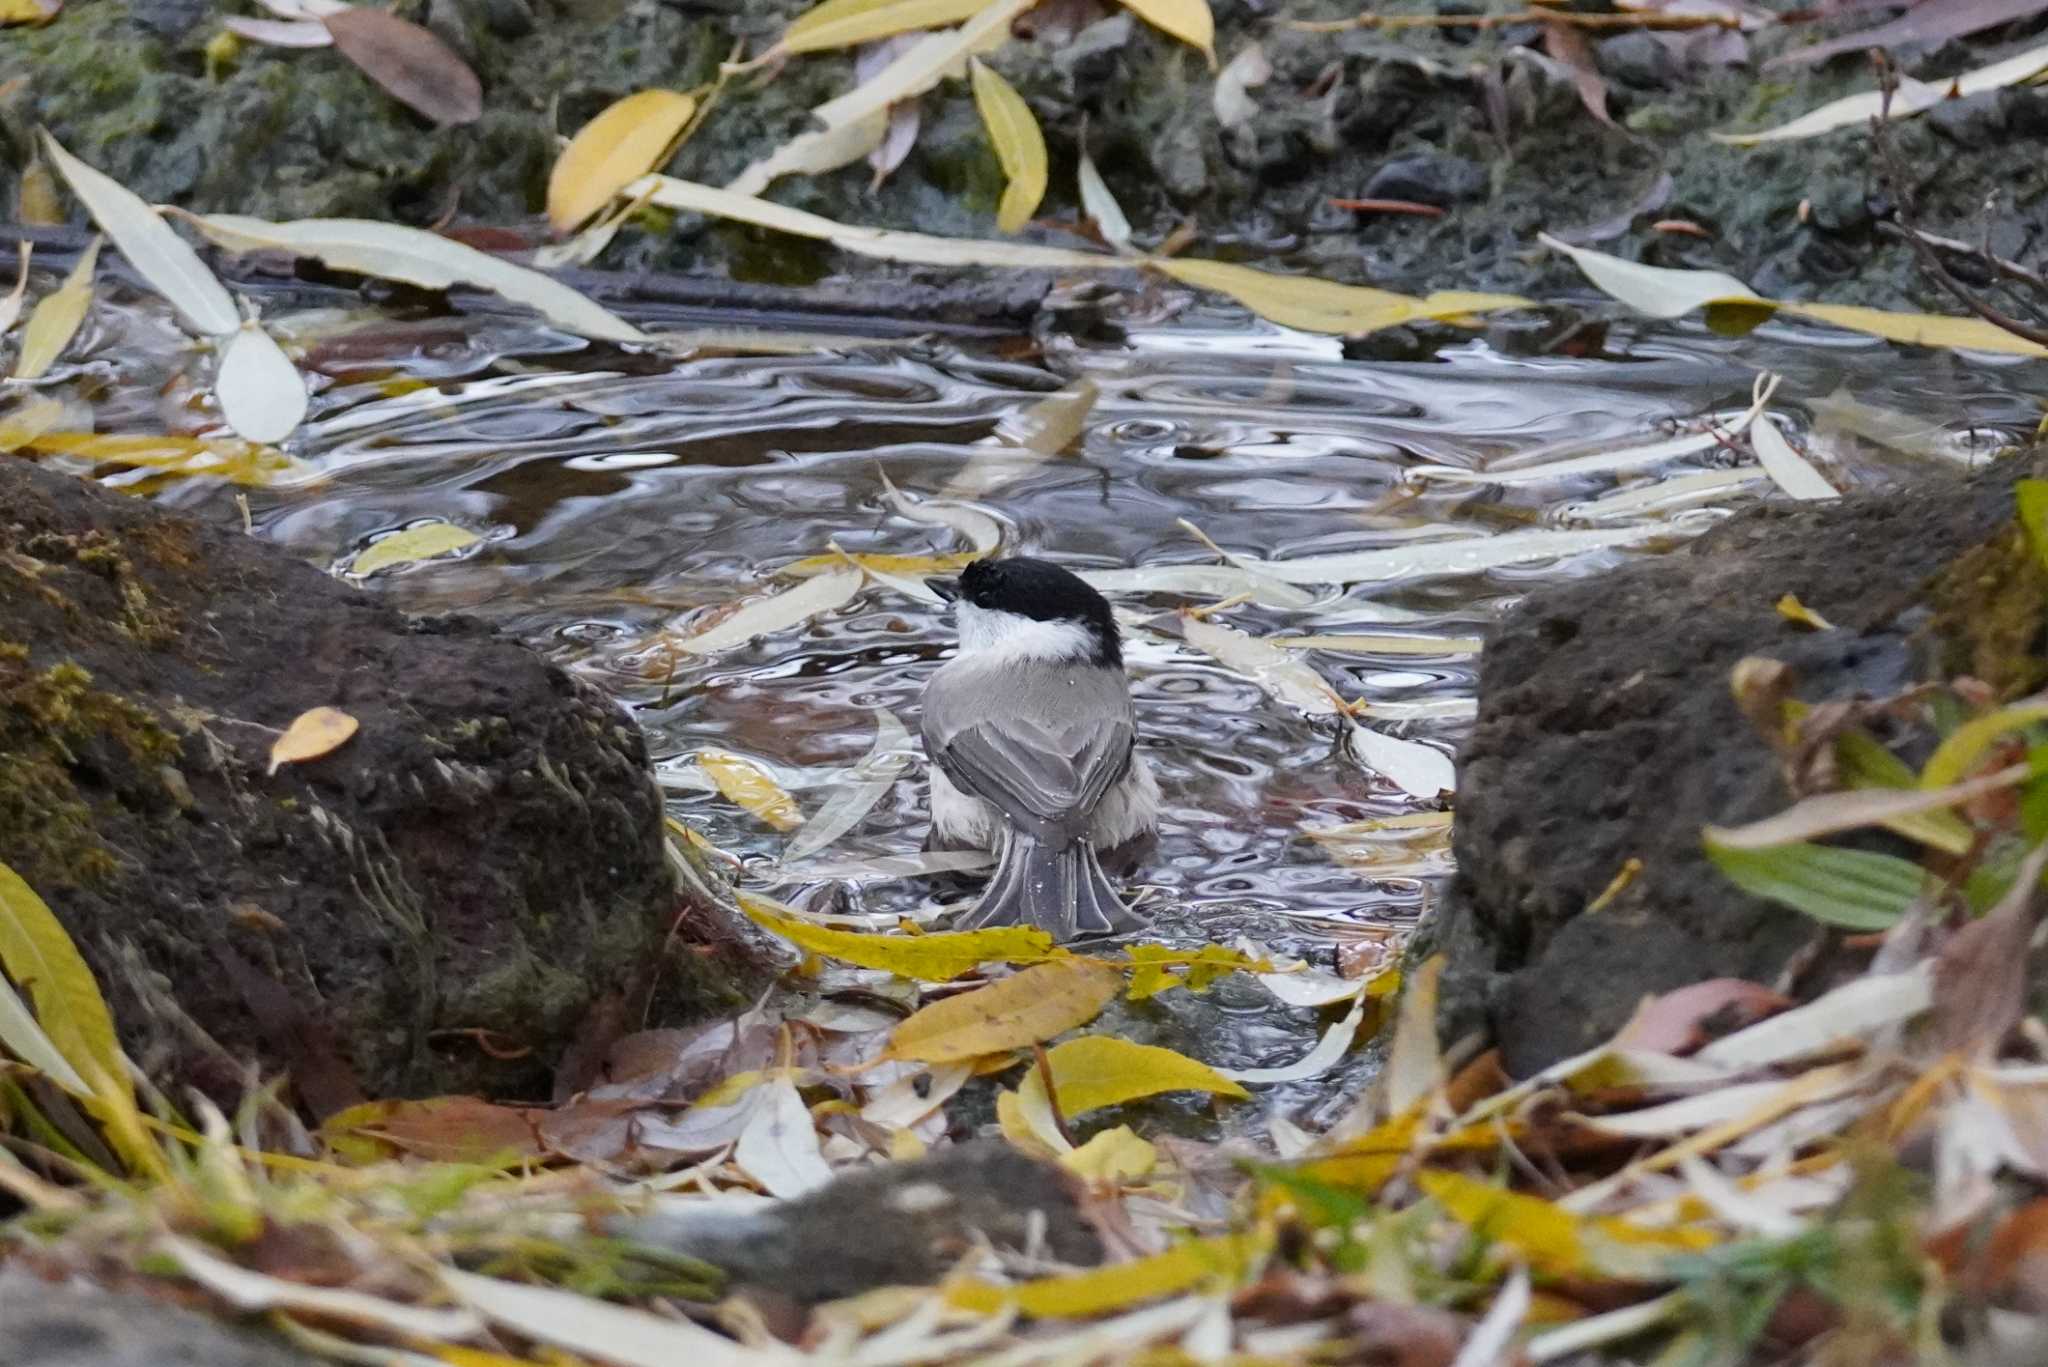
x=24, y=423
x=777, y=612
x=1911, y=97
x=1328, y=1050
x=151, y=245
x=925, y=958
x=744, y=784
x=1188, y=20
x=1416, y=769
x=1019, y=145
x=844, y=23
x=1656, y=291
x=413, y=66
x=37, y=952
x=389, y=251
x=1012, y=1013
x=1455, y=555
x=1271, y=668
x=239, y=462
x=312, y=734
x=1053, y=424
x=979, y=529
x=870, y=781
x=1300, y=301
x=1384, y=645
x=421, y=541
x=261, y=392
x=625, y=141
x=56, y=318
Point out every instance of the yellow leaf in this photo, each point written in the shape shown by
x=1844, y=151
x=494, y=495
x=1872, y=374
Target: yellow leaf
x=1102, y=1070
x=1301, y=301
x=629, y=138
x=925, y=958
x=1545, y=1235
x=1963, y=747
x=747, y=785
x=1366, y=1163
x=29, y=421
x=1036, y=1004
x=1115, y=1155
x=314, y=733
x=843, y=23
x=56, y=318
x=238, y=462
x=1018, y=143
x=1031, y=1130
x=1920, y=329
x=1792, y=610
x=1227, y=1260
x=1155, y=964
x=35, y=195
x=1188, y=20
x=37, y=953
x=918, y=566
x=31, y=12
x=422, y=541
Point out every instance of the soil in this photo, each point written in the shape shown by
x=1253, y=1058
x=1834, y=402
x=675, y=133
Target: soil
x=436, y=906
x=1468, y=119
x=1608, y=731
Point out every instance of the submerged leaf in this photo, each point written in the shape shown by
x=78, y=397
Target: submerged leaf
x=1012, y=1013
x=421, y=541
x=411, y=64
x=313, y=733
x=260, y=391
x=744, y=784
x=1019, y=145
x=37, y=953
x=864, y=787
x=625, y=141
x=56, y=318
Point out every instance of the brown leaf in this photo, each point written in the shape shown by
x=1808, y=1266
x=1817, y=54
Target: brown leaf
x=1568, y=45
x=447, y=1128
x=411, y=63
x=1683, y=1020
x=1980, y=976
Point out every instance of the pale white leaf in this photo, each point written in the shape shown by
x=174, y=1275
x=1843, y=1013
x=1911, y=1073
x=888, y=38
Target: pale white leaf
x=151, y=245
x=1657, y=495
x=1659, y=291
x=1491, y=1341
x=248, y=1290
x=1247, y=70
x=1310, y=988
x=1376, y=644
x=814, y=153
x=1721, y=1106
x=600, y=1330
x=1734, y=1205
x=1268, y=589
x=1911, y=97
x=1051, y=425
x=777, y=612
x=1707, y=438
x=923, y=65
x=1595, y=1331
x=916, y=1095
x=1853, y=1011
x=1218, y=582
x=779, y=1146
x=390, y=251
x=1272, y=669
x=1336, y=1041
x=1829, y=813
x=292, y=33
x=1451, y=556
x=870, y=780
x=1416, y=769
x=260, y=391
x=10, y=307
x=977, y=528
x=1791, y=471
x=1100, y=205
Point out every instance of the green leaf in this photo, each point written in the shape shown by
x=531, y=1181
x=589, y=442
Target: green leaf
x=37, y=953
x=1853, y=889
x=2031, y=497
x=1019, y=145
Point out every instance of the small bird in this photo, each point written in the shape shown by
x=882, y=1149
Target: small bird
x=1032, y=736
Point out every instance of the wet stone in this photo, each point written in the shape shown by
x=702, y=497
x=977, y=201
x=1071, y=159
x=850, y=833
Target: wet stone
x=1428, y=179
x=1639, y=60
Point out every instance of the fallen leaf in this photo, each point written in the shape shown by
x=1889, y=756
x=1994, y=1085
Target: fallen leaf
x=1101, y=1070
x=1960, y=750
x=1911, y=97
x=451, y=1129
x=1100, y=205
x=1053, y=424
x=1853, y=1011
x=593, y=1328
x=239, y=462
x=1791, y=471
x=1416, y=769
x=745, y=785
x=1415, y=1063
x=1223, y=1260
x=1792, y=610
x=1828, y=813
x=1115, y=1155
x=1568, y=46
x=1019, y=145
x=421, y=541
x=1259, y=659
x=1028, y=1007
x=32, y=12
x=924, y=958
x=844, y=23
x=247, y=1290
x=35, y=196
x=1243, y=73
x=1980, y=975
x=814, y=153
x=414, y=66
x=287, y=33
x=10, y=307
x=626, y=140
x=312, y=734
x=779, y=1146
x=56, y=318
x=1682, y=1020
x=865, y=786
x=1155, y=968
x=1313, y=305
x=1924, y=25
x=1334, y=1044
x=924, y=64
x=1188, y=20
x=260, y=391
x=37, y=953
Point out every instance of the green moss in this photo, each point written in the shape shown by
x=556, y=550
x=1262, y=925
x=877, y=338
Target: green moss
x=1991, y=615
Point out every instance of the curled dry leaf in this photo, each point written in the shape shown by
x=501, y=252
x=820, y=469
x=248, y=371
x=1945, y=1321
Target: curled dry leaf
x=625, y=141
x=1243, y=73
x=314, y=733
x=1019, y=145
x=292, y=33
x=413, y=65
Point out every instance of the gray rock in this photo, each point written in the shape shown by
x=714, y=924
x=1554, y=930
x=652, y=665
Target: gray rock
x=1637, y=59
x=50, y=1325
x=1428, y=179
x=1607, y=731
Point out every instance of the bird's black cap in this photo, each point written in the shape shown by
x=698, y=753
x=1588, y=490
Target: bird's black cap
x=1040, y=590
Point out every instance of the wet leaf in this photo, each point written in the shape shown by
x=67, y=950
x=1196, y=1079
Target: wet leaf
x=844, y=23
x=924, y=958
x=1100, y=205
x=239, y=462
x=413, y=66
x=1416, y=769
x=38, y=954
x=779, y=1146
x=626, y=140
x=261, y=393
x=1188, y=20
x=421, y=541
x=1492, y=1340
x=151, y=245
x=1531, y=467
x=744, y=784
x=56, y=318
x=1053, y=424
x=31, y=12
x=389, y=251
x=1020, y=147
x=1288, y=679
x=923, y=65
x=1313, y=305
x=814, y=153
x=1157, y=968
x=865, y=786
x=1115, y=1155
x=312, y=734
x=778, y=612
x=1370, y=644
x=1853, y=889
x=10, y=307
x=1911, y=97
x=1223, y=1261
x=1328, y=1050
x=1030, y=1006
x=1791, y=471
x=1451, y=555
x=1657, y=291
x=1927, y=25
x=1102, y=1070
x=971, y=524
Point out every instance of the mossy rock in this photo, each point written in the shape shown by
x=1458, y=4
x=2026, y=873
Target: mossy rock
x=436, y=906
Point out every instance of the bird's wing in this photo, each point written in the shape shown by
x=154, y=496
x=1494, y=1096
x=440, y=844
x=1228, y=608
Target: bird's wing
x=1046, y=759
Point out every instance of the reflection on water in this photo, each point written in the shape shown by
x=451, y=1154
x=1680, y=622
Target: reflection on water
x=619, y=495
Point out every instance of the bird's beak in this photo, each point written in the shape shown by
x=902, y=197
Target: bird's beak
x=948, y=589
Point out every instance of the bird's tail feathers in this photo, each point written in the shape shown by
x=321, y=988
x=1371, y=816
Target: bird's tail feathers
x=1058, y=888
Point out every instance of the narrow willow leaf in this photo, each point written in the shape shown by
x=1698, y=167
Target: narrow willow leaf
x=27, y=1041
x=1920, y=329
x=260, y=391
x=314, y=733
x=239, y=462
x=25, y=422
x=1288, y=679
x=1334, y=1044
x=1020, y=146
x=246, y=1289
x=10, y=307
x=1829, y=813
x=1416, y=769
x=421, y=541
x=626, y=140
x=597, y=1329
x=746, y=786
x=1658, y=291
x=927, y=62
x=56, y=318
x=38, y=954
x=1101, y=207
x=1911, y=97
x=1011, y=1013
x=1964, y=746
x=2030, y=503
x=1313, y=305
x=1457, y=555
x=844, y=23
x=1384, y=645
x=814, y=153
x=1053, y=424
x=1188, y=20
x=1193, y=1263
x=1853, y=889
x=151, y=245
x=870, y=781
x=979, y=529
x=291, y=33
x=1788, y=469
x=925, y=958
x=775, y=613
x=412, y=65
x=1856, y=1010
x=389, y=251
